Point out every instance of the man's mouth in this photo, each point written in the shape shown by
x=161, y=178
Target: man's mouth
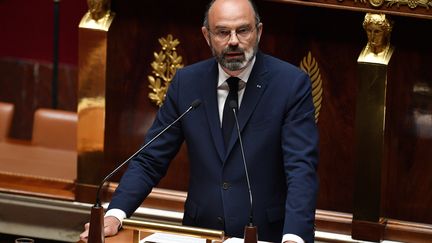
x=230, y=55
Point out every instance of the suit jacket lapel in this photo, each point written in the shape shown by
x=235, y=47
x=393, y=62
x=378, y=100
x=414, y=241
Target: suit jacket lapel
x=209, y=88
x=255, y=87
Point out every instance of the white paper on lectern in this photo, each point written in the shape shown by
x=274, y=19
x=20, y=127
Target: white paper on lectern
x=240, y=240
x=171, y=238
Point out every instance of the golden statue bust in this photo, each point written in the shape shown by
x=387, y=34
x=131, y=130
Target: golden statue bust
x=98, y=8
x=378, y=30
x=99, y=15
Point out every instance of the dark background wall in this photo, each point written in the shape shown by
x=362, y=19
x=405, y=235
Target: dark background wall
x=26, y=29
x=26, y=57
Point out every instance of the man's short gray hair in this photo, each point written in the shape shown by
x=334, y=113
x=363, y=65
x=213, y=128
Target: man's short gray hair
x=206, y=22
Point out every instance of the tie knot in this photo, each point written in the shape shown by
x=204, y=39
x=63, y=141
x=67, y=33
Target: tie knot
x=233, y=83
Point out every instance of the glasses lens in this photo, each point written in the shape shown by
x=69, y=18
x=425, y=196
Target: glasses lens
x=242, y=33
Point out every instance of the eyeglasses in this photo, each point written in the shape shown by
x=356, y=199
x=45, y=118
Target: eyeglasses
x=242, y=33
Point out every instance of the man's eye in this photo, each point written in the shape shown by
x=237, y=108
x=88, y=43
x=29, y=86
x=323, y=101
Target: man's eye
x=242, y=31
x=224, y=32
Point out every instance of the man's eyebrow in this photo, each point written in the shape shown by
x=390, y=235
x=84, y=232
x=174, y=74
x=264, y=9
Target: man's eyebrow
x=238, y=27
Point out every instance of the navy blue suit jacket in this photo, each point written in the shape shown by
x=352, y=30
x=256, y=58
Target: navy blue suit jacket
x=280, y=141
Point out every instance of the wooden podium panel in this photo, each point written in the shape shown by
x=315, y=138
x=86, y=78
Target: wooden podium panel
x=37, y=161
x=123, y=236
x=126, y=236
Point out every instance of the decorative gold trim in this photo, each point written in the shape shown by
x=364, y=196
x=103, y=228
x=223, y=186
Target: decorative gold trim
x=310, y=66
x=376, y=3
x=164, y=67
x=411, y=3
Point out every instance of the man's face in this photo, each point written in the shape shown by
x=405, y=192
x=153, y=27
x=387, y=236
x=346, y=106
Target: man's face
x=233, y=35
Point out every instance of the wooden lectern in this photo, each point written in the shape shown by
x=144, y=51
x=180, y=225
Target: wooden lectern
x=135, y=230
x=143, y=228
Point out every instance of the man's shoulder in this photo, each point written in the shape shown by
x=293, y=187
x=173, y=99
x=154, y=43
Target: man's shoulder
x=278, y=67
x=200, y=66
x=277, y=63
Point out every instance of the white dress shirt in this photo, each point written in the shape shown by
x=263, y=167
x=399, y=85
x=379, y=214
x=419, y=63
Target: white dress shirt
x=223, y=89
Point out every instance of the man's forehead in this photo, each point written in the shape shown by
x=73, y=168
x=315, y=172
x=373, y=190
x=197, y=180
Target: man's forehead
x=231, y=13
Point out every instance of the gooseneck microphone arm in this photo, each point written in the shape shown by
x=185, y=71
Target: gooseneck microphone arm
x=233, y=106
x=96, y=230
x=250, y=231
x=193, y=105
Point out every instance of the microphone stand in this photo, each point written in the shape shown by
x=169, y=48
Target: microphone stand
x=250, y=234
x=250, y=231
x=96, y=233
x=96, y=230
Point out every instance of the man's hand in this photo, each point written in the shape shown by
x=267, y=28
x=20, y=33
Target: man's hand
x=111, y=227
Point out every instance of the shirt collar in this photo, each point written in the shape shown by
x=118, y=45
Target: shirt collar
x=244, y=76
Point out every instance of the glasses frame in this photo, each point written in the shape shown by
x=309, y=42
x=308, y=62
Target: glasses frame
x=238, y=35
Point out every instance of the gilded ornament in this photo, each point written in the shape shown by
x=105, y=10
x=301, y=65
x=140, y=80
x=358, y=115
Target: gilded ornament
x=98, y=16
x=378, y=30
x=376, y=3
x=164, y=66
x=310, y=66
x=410, y=3
x=98, y=8
x=390, y=3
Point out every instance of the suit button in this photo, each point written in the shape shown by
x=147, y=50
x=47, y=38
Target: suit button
x=220, y=220
x=225, y=185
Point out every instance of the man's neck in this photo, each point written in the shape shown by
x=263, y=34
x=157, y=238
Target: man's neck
x=233, y=73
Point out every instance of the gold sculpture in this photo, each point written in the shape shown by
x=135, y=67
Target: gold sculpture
x=99, y=15
x=412, y=4
x=378, y=29
x=310, y=66
x=164, y=67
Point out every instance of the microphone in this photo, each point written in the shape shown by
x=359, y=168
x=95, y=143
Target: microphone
x=250, y=232
x=96, y=233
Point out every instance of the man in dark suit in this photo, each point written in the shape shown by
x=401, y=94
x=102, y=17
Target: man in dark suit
x=277, y=124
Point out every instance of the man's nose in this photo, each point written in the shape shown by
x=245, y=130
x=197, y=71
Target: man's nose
x=233, y=39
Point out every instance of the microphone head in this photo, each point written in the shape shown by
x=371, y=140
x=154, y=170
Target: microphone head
x=196, y=103
x=233, y=104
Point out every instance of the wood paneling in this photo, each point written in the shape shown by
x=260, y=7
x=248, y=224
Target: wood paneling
x=133, y=40
x=417, y=9
x=335, y=44
x=408, y=181
x=36, y=186
x=27, y=84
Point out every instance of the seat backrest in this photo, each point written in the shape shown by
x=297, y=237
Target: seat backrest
x=6, y=113
x=55, y=129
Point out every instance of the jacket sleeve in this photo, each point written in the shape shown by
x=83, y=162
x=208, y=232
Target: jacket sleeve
x=300, y=156
x=147, y=168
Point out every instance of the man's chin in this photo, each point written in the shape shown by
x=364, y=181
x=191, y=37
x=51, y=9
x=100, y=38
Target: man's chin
x=234, y=62
x=234, y=66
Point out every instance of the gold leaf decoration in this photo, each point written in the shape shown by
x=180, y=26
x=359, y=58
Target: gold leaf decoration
x=164, y=66
x=310, y=66
x=410, y=3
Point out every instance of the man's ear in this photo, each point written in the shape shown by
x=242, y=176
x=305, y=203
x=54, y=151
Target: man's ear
x=259, y=31
x=206, y=34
